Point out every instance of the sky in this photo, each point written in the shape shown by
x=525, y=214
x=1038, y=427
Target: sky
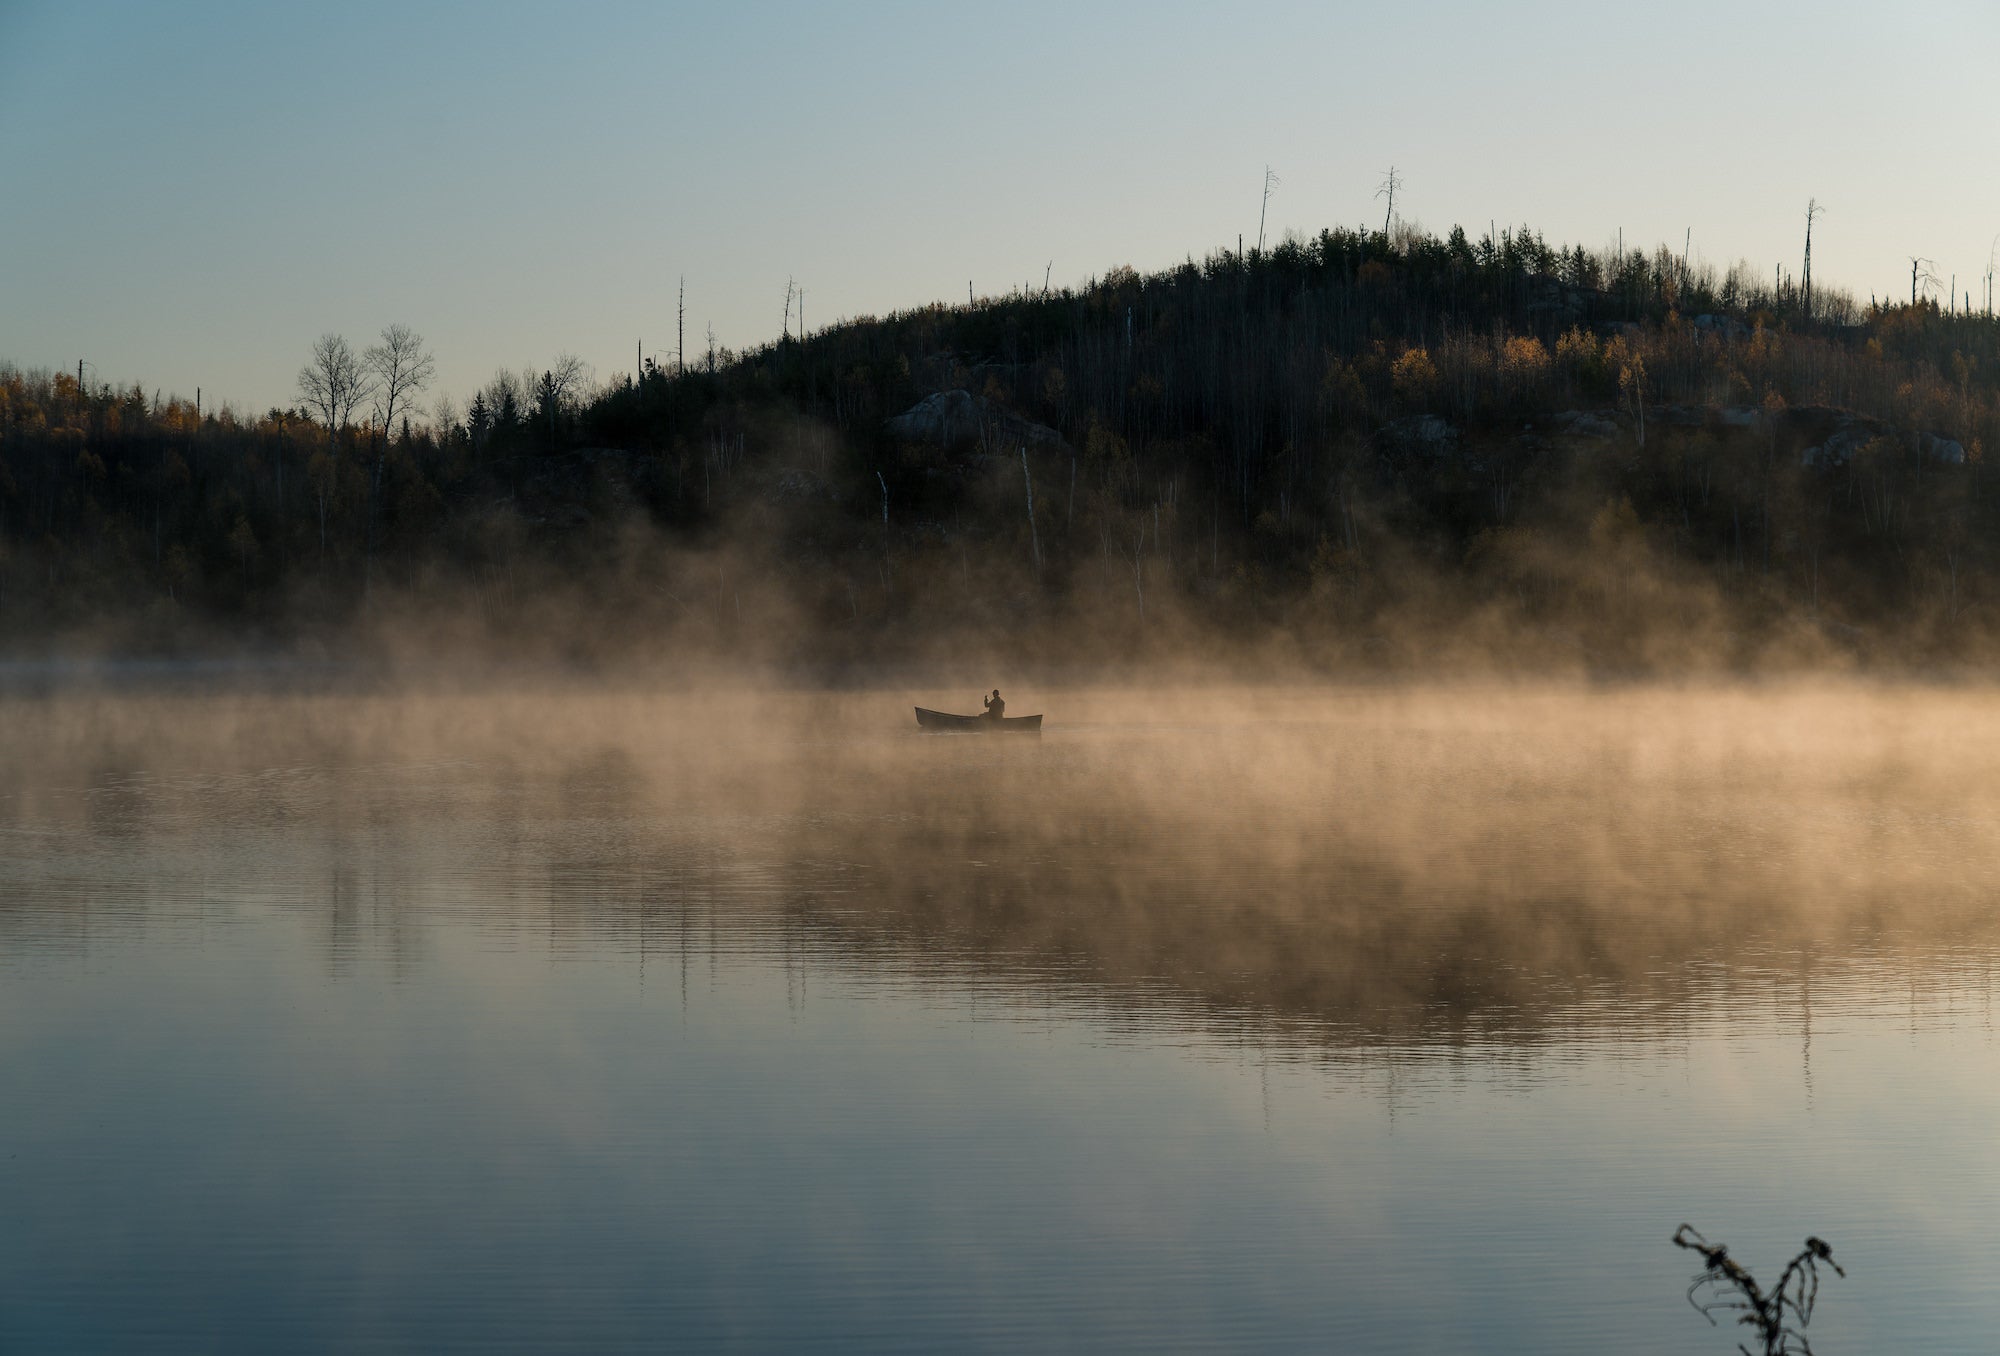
x=190, y=194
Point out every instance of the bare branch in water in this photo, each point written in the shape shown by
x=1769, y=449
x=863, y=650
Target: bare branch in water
x=1780, y=1317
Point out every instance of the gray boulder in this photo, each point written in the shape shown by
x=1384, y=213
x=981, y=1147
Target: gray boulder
x=1586, y=424
x=1944, y=451
x=959, y=418
x=947, y=418
x=1422, y=433
x=1839, y=447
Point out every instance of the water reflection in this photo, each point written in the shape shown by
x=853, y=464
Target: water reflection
x=1369, y=868
x=1272, y=1020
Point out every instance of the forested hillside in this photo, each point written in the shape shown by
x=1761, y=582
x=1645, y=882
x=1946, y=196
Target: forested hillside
x=1358, y=451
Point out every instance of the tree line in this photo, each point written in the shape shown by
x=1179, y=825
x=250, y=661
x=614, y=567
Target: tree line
x=1347, y=439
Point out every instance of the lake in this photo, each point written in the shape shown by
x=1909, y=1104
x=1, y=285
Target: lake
x=1342, y=1020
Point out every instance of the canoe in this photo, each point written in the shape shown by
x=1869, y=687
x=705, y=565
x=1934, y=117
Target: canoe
x=942, y=722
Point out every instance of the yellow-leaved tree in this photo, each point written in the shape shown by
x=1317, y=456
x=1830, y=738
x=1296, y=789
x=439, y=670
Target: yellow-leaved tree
x=1414, y=378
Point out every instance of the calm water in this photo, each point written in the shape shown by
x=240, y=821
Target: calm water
x=1355, y=1022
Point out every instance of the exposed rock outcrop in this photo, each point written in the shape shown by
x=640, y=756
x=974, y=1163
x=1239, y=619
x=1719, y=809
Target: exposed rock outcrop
x=1723, y=327
x=1421, y=433
x=1839, y=447
x=959, y=418
x=1945, y=451
x=1853, y=432
x=1590, y=424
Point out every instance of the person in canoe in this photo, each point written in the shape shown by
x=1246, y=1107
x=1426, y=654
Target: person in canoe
x=995, y=708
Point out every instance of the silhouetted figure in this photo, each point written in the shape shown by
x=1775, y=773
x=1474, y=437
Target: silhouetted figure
x=995, y=708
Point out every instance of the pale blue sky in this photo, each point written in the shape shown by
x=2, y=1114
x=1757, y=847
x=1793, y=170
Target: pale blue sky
x=191, y=193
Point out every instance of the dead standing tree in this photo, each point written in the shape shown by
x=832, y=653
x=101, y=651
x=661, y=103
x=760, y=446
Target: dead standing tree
x=1034, y=533
x=1813, y=210
x=1778, y=1317
x=1390, y=183
x=1921, y=274
x=1271, y=182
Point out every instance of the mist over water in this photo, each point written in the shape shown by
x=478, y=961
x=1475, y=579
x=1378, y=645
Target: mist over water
x=1372, y=1018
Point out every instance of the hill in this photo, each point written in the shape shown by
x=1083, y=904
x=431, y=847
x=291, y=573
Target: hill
x=1358, y=451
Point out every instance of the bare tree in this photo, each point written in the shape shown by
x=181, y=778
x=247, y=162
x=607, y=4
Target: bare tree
x=1813, y=210
x=1034, y=534
x=333, y=382
x=1271, y=181
x=1390, y=183
x=568, y=377
x=399, y=368
x=395, y=370
x=559, y=388
x=1921, y=274
x=506, y=396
